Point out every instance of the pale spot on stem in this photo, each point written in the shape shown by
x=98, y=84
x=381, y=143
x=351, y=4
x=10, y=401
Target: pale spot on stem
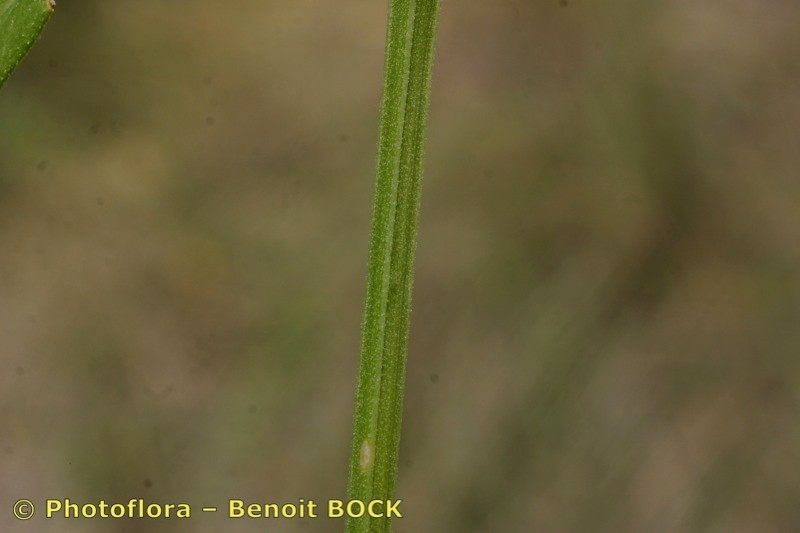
x=367, y=455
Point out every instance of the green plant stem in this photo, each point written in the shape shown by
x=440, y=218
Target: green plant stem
x=21, y=22
x=384, y=346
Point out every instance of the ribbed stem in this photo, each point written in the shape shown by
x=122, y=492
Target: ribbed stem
x=384, y=347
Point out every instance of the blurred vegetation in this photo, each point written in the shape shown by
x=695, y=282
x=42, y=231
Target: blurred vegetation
x=605, y=327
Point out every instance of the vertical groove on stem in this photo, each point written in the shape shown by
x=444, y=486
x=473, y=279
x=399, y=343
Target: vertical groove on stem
x=379, y=400
x=398, y=54
x=395, y=349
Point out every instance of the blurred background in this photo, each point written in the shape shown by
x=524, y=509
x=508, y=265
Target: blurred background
x=605, y=334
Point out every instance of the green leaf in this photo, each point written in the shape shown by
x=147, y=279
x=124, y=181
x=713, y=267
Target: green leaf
x=384, y=344
x=21, y=22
